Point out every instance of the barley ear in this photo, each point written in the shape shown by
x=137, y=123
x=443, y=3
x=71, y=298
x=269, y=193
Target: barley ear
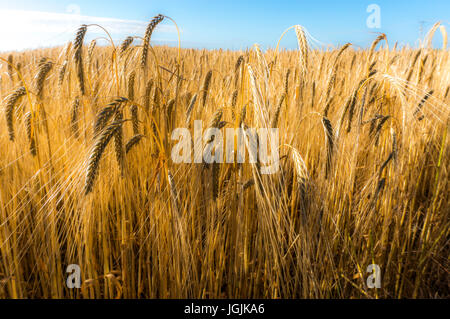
x=30, y=133
x=148, y=34
x=96, y=154
x=329, y=138
x=74, y=118
x=11, y=101
x=133, y=142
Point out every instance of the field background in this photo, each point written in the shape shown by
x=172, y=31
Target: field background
x=363, y=179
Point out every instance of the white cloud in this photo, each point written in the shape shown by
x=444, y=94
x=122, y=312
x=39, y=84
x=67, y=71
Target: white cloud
x=21, y=29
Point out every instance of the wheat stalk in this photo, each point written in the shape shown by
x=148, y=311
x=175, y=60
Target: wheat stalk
x=118, y=142
x=173, y=192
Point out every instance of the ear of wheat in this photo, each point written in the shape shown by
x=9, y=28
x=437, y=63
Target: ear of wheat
x=190, y=108
x=148, y=34
x=215, y=180
x=238, y=63
x=301, y=171
x=373, y=46
x=78, y=56
x=11, y=101
x=19, y=70
x=133, y=142
x=413, y=63
x=234, y=97
x=385, y=163
x=170, y=114
x=78, y=42
x=248, y=184
x=352, y=104
x=329, y=137
x=125, y=45
x=74, y=118
x=134, y=118
x=216, y=118
x=44, y=69
x=10, y=68
x=106, y=113
x=62, y=73
x=303, y=45
x=91, y=49
x=313, y=94
x=242, y=115
x=422, y=102
x=205, y=87
x=237, y=69
x=379, y=189
x=30, y=133
x=363, y=104
x=96, y=154
x=327, y=106
x=277, y=111
x=131, y=80
x=340, y=52
x=148, y=91
x=286, y=81
x=379, y=127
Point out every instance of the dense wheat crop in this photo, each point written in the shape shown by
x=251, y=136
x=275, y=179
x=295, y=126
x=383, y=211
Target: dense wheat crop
x=87, y=178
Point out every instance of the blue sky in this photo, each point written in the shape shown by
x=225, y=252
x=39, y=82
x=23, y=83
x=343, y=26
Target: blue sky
x=228, y=24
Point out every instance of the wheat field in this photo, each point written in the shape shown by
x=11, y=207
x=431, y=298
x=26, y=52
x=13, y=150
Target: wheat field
x=86, y=175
